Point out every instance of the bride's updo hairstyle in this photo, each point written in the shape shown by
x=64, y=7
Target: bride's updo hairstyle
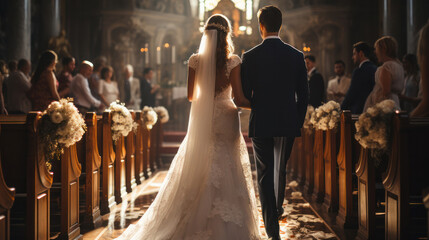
x=224, y=47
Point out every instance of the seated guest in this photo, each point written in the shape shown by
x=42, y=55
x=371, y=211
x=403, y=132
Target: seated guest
x=132, y=89
x=13, y=66
x=362, y=81
x=389, y=77
x=409, y=96
x=65, y=77
x=17, y=85
x=316, y=84
x=43, y=89
x=147, y=91
x=338, y=86
x=94, y=79
x=422, y=110
x=108, y=88
x=79, y=88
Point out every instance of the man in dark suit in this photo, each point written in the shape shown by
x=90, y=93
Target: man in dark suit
x=316, y=84
x=362, y=79
x=273, y=73
x=147, y=91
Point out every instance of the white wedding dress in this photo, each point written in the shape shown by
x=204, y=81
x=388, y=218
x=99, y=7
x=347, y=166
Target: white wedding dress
x=208, y=192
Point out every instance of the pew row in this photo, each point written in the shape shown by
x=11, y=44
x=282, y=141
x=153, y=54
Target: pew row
x=130, y=159
x=7, y=197
x=139, y=173
x=27, y=172
x=330, y=164
x=105, y=143
x=319, y=167
x=406, y=177
x=347, y=157
x=90, y=160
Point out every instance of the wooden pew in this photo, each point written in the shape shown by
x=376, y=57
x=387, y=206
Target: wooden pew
x=147, y=166
x=130, y=142
x=7, y=197
x=319, y=167
x=90, y=159
x=120, y=186
x=346, y=213
x=331, y=179
x=308, y=142
x=155, y=147
x=70, y=173
x=405, y=178
x=139, y=173
x=365, y=172
x=105, y=143
x=24, y=160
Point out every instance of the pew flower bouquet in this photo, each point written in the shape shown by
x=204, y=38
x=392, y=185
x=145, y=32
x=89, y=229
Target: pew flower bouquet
x=162, y=114
x=326, y=117
x=122, y=122
x=61, y=126
x=373, y=128
x=307, y=124
x=149, y=117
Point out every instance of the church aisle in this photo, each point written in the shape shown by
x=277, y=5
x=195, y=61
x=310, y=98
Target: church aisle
x=301, y=221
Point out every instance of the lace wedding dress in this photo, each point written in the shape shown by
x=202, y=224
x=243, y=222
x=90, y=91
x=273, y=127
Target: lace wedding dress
x=211, y=195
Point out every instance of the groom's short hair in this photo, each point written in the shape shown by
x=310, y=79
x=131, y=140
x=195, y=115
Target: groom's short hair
x=271, y=18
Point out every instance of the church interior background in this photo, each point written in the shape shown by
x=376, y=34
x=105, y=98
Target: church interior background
x=162, y=34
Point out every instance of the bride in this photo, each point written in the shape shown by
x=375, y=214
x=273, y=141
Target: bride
x=208, y=192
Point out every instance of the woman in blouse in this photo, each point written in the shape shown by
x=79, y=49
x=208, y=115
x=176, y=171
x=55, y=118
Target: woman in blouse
x=108, y=88
x=389, y=77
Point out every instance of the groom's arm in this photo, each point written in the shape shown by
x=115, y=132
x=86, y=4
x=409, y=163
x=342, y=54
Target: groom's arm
x=302, y=91
x=245, y=77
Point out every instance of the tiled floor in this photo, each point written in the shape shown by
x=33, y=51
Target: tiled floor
x=301, y=221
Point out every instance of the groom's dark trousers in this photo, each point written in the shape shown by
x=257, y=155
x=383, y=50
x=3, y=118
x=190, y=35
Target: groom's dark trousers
x=271, y=155
x=274, y=79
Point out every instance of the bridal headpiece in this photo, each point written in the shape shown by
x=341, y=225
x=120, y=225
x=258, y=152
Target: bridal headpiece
x=218, y=27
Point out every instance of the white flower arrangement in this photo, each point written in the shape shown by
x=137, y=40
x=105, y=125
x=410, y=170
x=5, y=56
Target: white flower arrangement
x=61, y=126
x=162, y=113
x=326, y=117
x=122, y=122
x=149, y=117
x=373, y=128
x=307, y=124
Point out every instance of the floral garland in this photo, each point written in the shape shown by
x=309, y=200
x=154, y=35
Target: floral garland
x=307, y=124
x=326, y=117
x=162, y=114
x=373, y=129
x=149, y=117
x=61, y=126
x=122, y=122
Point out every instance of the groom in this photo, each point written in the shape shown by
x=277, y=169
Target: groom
x=274, y=79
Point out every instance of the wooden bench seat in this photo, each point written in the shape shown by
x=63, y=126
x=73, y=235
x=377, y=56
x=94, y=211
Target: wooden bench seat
x=24, y=160
x=7, y=197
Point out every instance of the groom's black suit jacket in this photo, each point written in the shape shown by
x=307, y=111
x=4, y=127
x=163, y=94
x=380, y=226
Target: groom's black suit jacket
x=274, y=79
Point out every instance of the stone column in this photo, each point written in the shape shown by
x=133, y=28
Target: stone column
x=411, y=38
x=394, y=23
x=18, y=33
x=417, y=17
x=50, y=24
